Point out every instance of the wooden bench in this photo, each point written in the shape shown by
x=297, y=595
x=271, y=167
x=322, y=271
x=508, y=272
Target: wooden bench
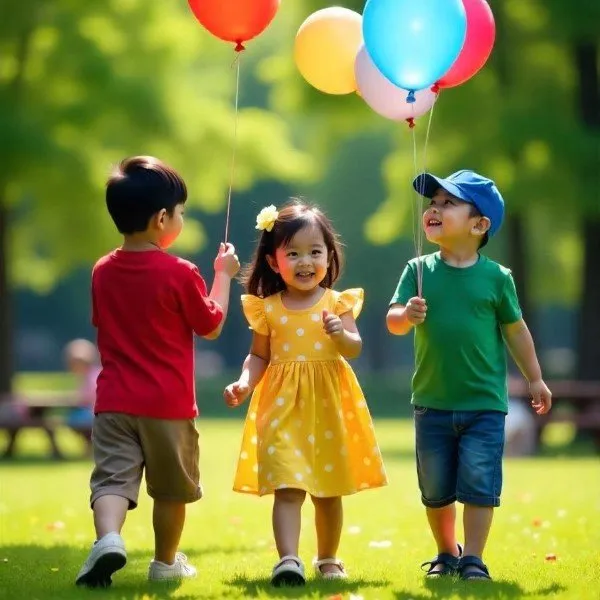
x=576, y=402
x=35, y=411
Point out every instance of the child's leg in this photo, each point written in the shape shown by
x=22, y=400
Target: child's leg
x=168, y=519
x=287, y=509
x=442, y=523
x=329, y=518
x=477, y=521
x=437, y=453
x=479, y=480
x=109, y=514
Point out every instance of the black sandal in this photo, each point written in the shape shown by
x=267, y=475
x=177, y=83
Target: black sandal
x=449, y=564
x=472, y=568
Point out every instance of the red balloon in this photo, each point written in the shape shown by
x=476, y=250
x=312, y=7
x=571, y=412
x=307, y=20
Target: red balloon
x=479, y=41
x=235, y=20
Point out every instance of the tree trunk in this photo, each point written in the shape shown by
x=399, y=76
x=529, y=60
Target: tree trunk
x=518, y=263
x=6, y=341
x=586, y=60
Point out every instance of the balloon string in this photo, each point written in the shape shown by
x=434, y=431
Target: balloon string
x=236, y=64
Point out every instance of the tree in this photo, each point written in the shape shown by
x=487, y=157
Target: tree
x=83, y=84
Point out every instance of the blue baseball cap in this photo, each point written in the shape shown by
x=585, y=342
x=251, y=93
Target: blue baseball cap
x=469, y=187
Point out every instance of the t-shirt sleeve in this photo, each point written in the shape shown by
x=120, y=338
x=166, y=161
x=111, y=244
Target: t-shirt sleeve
x=508, y=309
x=254, y=311
x=201, y=313
x=407, y=286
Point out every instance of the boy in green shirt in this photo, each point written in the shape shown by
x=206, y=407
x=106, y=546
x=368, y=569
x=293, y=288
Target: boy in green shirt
x=464, y=308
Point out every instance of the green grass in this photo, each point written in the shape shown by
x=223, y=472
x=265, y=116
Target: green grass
x=550, y=505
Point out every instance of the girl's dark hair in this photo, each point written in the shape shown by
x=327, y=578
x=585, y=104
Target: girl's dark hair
x=259, y=279
x=138, y=188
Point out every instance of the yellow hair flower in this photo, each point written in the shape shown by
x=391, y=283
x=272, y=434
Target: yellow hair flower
x=266, y=218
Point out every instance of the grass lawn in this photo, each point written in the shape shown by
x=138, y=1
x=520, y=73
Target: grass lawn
x=551, y=506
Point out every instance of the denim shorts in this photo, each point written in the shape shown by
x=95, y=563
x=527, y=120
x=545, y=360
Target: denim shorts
x=459, y=456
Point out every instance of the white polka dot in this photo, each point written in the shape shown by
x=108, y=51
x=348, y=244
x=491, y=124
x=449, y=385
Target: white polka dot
x=274, y=422
x=311, y=438
x=300, y=332
x=254, y=440
x=366, y=461
x=253, y=416
x=243, y=455
x=364, y=486
x=269, y=476
x=283, y=320
x=343, y=451
x=255, y=468
x=318, y=345
x=280, y=401
x=245, y=488
x=299, y=476
x=328, y=468
x=275, y=356
x=308, y=470
x=350, y=415
x=286, y=436
x=268, y=307
x=301, y=357
x=286, y=347
x=271, y=449
x=297, y=452
x=329, y=435
x=282, y=486
x=315, y=317
x=361, y=404
x=376, y=451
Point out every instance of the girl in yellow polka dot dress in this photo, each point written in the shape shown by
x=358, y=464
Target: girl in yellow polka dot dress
x=308, y=428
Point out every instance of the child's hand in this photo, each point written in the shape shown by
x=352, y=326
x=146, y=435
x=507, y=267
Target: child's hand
x=416, y=310
x=332, y=324
x=227, y=261
x=541, y=397
x=236, y=393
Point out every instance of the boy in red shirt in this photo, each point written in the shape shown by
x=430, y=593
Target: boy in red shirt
x=147, y=305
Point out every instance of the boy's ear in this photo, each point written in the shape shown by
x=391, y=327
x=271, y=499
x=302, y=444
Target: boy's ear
x=272, y=263
x=158, y=220
x=482, y=226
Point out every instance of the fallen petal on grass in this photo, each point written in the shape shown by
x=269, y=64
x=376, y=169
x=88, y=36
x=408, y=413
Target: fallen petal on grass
x=354, y=529
x=381, y=544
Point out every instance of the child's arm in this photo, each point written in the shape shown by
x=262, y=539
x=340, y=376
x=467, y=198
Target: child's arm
x=226, y=267
x=401, y=319
x=344, y=333
x=253, y=370
x=520, y=344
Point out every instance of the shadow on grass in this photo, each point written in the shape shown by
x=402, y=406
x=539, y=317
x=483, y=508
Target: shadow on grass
x=477, y=590
x=253, y=587
x=32, y=572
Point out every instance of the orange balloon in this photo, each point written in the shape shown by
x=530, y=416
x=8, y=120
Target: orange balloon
x=326, y=47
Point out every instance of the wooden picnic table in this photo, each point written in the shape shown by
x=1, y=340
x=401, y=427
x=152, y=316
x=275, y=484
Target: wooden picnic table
x=573, y=401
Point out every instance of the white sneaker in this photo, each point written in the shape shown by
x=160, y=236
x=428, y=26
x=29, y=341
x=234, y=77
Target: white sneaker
x=106, y=556
x=180, y=569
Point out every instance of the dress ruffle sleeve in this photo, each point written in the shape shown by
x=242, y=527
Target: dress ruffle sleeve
x=254, y=311
x=350, y=300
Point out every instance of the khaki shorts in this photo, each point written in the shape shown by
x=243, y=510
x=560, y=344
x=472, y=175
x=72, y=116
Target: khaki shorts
x=125, y=445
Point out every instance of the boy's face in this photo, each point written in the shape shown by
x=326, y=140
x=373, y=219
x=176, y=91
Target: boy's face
x=448, y=219
x=170, y=227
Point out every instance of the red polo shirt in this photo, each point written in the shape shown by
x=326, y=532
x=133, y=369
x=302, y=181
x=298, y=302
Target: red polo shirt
x=146, y=307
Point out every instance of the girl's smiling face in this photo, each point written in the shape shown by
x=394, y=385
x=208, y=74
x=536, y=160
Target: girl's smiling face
x=303, y=263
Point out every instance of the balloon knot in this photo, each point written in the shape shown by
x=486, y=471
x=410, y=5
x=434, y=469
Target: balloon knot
x=411, y=97
x=239, y=46
x=411, y=122
x=435, y=88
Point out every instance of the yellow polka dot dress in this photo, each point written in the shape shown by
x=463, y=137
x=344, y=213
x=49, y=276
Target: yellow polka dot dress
x=308, y=425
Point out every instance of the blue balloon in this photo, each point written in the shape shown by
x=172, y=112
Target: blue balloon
x=414, y=42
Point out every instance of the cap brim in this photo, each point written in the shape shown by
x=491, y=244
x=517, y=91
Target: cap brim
x=427, y=185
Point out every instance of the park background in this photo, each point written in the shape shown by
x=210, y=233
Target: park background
x=84, y=84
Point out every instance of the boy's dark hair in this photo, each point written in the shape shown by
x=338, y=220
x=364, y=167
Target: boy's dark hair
x=259, y=279
x=140, y=187
x=474, y=212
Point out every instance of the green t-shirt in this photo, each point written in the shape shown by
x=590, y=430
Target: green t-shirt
x=460, y=358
